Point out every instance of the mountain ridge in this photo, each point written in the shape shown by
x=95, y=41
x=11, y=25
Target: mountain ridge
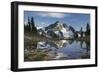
x=58, y=30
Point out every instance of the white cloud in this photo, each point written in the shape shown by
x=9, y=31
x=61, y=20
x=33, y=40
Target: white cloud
x=54, y=15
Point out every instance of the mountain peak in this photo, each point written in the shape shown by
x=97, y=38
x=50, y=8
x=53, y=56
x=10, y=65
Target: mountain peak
x=56, y=24
x=58, y=29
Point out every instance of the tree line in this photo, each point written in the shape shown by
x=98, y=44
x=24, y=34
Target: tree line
x=30, y=26
x=87, y=32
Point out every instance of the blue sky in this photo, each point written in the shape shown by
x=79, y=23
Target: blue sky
x=43, y=19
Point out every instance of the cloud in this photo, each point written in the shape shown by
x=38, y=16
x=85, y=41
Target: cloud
x=53, y=15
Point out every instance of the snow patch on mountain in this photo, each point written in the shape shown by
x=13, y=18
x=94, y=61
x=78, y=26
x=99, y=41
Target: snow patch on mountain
x=57, y=29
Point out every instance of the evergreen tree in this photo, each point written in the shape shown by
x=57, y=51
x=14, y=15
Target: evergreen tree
x=33, y=25
x=29, y=24
x=32, y=22
x=28, y=21
x=87, y=29
x=81, y=32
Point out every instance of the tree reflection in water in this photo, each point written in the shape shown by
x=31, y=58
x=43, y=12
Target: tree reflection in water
x=85, y=46
x=56, y=50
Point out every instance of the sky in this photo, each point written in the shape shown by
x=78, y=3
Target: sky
x=43, y=19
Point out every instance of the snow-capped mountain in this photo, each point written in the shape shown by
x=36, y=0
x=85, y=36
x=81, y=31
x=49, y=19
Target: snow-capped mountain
x=58, y=30
x=38, y=28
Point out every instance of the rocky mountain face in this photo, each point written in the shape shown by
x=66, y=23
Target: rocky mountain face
x=58, y=30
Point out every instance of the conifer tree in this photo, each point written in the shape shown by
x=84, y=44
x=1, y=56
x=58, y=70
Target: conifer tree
x=81, y=32
x=87, y=29
x=33, y=25
x=29, y=24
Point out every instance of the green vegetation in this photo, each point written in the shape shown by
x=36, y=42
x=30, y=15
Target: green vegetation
x=35, y=56
x=85, y=56
x=30, y=26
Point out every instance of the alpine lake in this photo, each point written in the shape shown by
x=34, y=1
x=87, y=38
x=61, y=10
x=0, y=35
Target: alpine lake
x=40, y=48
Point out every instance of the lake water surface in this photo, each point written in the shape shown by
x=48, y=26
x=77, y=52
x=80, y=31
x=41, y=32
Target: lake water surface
x=57, y=50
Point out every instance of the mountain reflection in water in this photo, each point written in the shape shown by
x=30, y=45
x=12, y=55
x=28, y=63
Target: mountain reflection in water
x=57, y=50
